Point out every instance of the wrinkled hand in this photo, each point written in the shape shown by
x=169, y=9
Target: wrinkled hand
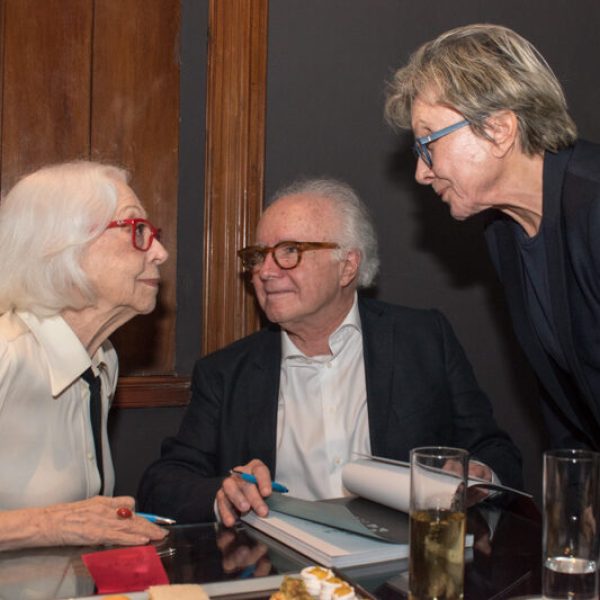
x=237, y=496
x=476, y=494
x=95, y=521
x=239, y=554
x=479, y=470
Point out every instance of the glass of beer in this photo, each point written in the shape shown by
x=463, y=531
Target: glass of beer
x=571, y=538
x=438, y=484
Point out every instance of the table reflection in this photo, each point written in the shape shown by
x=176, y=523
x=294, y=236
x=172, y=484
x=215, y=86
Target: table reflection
x=44, y=573
x=504, y=561
x=190, y=554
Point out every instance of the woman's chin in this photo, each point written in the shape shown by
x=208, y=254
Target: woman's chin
x=460, y=213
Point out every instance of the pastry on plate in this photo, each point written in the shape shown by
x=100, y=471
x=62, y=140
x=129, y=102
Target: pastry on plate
x=292, y=588
x=177, y=591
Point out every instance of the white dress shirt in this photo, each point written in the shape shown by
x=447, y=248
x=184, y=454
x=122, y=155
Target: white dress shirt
x=47, y=450
x=322, y=415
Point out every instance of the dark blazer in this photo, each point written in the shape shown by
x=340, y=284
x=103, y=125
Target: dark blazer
x=420, y=391
x=571, y=222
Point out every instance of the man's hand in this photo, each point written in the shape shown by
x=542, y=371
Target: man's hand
x=237, y=496
x=239, y=554
x=476, y=469
x=480, y=471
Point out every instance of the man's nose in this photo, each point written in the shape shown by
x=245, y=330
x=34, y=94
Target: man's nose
x=269, y=267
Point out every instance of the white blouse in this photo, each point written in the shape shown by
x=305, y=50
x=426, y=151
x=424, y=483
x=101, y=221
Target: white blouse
x=47, y=450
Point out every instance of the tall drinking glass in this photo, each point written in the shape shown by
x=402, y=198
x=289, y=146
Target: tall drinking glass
x=571, y=539
x=438, y=483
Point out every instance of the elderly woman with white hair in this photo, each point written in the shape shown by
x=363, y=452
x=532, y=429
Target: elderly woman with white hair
x=79, y=259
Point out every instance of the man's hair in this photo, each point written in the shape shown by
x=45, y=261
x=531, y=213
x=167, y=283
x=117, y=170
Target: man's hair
x=356, y=232
x=46, y=222
x=479, y=69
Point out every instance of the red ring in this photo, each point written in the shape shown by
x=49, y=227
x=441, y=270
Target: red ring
x=124, y=513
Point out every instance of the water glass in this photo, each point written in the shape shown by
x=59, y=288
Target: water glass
x=438, y=484
x=571, y=537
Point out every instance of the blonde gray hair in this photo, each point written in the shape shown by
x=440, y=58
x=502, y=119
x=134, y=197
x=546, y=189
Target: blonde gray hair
x=357, y=231
x=46, y=221
x=478, y=70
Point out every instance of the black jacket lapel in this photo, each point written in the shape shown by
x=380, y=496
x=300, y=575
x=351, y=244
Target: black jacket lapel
x=378, y=349
x=261, y=406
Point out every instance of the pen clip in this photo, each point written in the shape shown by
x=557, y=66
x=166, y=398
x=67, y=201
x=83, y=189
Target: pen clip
x=276, y=487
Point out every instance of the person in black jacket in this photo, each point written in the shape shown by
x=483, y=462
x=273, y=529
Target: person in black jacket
x=333, y=375
x=493, y=132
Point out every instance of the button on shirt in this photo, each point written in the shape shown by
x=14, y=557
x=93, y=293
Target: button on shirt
x=322, y=415
x=46, y=442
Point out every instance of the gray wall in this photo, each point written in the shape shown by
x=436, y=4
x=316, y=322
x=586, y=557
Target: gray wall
x=328, y=60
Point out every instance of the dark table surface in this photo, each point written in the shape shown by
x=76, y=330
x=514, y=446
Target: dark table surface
x=503, y=563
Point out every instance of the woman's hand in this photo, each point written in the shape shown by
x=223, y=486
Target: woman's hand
x=88, y=522
x=95, y=521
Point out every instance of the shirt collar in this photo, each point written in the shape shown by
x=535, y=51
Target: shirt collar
x=66, y=357
x=337, y=339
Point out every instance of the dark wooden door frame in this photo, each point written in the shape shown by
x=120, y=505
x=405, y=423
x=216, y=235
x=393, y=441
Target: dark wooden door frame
x=234, y=175
x=235, y=148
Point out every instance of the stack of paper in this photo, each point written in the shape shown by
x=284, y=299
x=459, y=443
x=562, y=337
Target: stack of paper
x=355, y=531
x=324, y=544
x=387, y=481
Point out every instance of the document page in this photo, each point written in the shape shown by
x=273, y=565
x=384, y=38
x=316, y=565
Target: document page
x=387, y=481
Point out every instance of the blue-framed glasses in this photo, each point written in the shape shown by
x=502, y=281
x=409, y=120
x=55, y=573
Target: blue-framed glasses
x=420, y=147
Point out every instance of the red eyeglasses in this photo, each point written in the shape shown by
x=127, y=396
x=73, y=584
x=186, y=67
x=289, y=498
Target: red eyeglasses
x=143, y=233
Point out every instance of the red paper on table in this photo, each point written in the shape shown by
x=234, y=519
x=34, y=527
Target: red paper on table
x=125, y=569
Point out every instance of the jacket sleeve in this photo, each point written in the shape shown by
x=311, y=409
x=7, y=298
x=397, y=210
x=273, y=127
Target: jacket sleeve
x=183, y=483
x=474, y=426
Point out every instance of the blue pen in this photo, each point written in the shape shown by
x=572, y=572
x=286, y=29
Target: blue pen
x=156, y=519
x=277, y=487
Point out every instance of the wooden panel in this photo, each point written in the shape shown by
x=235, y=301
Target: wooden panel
x=135, y=116
x=125, y=109
x=236, y=92
x=99, y=79
x=140, y=392
x=46, y=82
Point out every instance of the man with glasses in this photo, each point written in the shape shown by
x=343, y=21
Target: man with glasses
x=334, y=374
